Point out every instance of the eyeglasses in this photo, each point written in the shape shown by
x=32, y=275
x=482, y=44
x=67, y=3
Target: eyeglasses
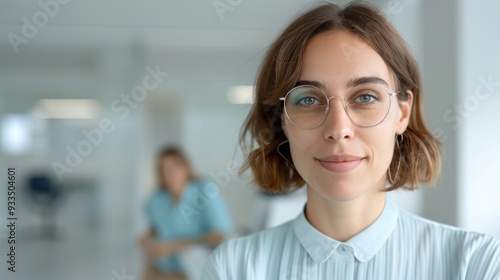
x=367, y=105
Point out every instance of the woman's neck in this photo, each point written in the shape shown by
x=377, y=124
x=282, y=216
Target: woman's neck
x=176, y=197
x=176, y=192
x=343, y=220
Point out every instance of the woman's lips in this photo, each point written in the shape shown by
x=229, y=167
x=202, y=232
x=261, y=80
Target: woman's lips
x=340, y=163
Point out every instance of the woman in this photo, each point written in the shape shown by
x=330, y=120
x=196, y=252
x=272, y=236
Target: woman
x=338, y=108
x=181, y=214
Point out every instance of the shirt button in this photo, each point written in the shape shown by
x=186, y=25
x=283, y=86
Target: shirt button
x=343, y=249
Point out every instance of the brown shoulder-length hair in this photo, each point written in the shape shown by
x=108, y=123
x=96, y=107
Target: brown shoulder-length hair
x=418, y=153
x=172, y=151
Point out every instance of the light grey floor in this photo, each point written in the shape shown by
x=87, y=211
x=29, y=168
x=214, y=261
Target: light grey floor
x=76, y=254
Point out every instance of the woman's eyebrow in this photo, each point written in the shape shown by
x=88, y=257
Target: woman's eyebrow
x=310, y=83
x=352, y=83
x=367, y=80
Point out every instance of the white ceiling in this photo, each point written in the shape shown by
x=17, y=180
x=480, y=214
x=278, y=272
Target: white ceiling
x=182, y=24
x=72, y=54
x=168, y=23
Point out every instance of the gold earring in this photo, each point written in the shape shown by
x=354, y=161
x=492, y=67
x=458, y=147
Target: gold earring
x=398, y=140
x=279, y=152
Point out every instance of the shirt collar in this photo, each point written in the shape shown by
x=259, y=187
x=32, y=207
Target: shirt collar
x=186, y=195
x=365, y=244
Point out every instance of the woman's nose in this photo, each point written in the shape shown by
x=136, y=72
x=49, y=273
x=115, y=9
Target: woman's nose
x=337, y=124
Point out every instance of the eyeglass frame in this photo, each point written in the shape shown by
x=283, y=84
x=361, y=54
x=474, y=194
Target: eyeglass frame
x=346, y=109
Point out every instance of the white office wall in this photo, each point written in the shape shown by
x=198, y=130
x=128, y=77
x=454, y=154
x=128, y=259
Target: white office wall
x=406, y=16
x=477, y=122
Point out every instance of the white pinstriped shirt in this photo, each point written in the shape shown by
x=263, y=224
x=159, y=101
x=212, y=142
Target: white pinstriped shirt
x=398, y=245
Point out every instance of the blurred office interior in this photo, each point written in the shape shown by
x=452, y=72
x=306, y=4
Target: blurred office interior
x=84, y=153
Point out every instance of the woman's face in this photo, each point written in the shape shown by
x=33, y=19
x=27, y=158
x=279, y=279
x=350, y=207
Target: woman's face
x=340, y=160
x=174, y=173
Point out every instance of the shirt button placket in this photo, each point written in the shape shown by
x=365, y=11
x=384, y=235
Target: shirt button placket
x=346, y=255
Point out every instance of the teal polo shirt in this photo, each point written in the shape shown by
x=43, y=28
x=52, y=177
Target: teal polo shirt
x=200, y=210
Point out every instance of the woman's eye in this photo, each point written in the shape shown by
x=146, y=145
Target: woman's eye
x=307, y=101
x=366, y=99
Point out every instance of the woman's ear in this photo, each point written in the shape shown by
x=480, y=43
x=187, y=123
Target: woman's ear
x=405, y=113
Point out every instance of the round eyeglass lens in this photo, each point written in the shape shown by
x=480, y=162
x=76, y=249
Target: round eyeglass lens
x=366, y=105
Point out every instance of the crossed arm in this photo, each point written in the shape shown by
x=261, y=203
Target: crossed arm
x=157, y=249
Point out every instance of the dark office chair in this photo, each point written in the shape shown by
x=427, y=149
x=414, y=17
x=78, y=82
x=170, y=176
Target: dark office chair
x=44, y=196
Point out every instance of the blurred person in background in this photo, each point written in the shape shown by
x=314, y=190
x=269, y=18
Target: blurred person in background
x=181, y=214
